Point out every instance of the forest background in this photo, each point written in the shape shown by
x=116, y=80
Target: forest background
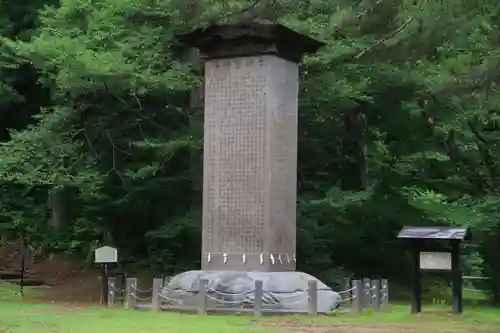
x=101, y=129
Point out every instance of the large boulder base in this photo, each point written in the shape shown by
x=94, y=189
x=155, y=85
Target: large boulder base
x=282, y=291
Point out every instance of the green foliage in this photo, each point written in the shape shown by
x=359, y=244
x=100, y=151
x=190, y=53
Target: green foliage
x=399, y=125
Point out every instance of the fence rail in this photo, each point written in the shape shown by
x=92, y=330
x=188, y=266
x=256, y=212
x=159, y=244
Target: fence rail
x=358, y=296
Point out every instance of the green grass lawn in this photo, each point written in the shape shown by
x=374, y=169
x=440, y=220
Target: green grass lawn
x=17, y=316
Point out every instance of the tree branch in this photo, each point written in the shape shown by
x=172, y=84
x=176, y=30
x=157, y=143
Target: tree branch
x=114, y=146
x=386, y=38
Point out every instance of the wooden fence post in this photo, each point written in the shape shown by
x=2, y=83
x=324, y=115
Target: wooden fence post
x=258, y=293
x=112, y=291
x=202, y=297
x=155, y=296
x=358, y=292
x=375, y=295
x=367, y=294
x=348, y=294
x=130, y=293
x=312, y=298
x=384, y=291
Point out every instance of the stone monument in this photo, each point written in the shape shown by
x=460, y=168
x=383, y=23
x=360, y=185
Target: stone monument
x=250, y=164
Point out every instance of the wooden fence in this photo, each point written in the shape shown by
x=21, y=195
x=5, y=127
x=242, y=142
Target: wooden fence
x=358, y=296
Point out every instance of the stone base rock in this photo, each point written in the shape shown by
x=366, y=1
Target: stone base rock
x=282, y=291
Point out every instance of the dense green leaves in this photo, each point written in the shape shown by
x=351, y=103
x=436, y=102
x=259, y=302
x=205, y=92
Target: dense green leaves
x=398, y=125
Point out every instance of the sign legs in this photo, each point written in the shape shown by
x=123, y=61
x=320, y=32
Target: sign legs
x=456, y=278
x=24, y=256
x=416, y=299
x=104, y=285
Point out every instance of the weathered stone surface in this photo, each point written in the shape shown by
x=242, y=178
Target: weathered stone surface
x=285, y=291
x=250, y=170
x=250, y=164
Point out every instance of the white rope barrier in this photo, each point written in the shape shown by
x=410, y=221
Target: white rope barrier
x=142, y=291
x=113, y=288
x=348, y=299
x=372, y=294
x=170, y=299
x=211, y=290
x=347, y=290
x=225, y=301
x=287, y=296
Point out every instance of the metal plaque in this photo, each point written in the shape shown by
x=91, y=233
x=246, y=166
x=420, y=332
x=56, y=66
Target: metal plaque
x=435, y=261
x=106, y=255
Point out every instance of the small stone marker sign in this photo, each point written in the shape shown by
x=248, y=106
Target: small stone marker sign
x=106, y=255
x=435, y=261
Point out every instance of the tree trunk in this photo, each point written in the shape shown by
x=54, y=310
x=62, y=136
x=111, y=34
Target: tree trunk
x=58, y=208
x=354, y=151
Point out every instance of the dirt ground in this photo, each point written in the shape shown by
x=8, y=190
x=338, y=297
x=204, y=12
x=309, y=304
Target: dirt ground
x=302, y=327
x=287, y=325
x=67, y=278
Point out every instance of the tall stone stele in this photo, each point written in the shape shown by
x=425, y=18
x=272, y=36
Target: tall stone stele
x=250, y=160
